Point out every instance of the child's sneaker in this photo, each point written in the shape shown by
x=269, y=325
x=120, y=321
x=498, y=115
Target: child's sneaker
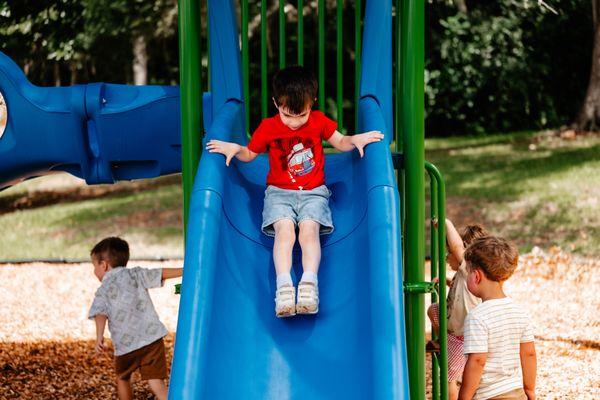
x=285, y=299
x=308, y=298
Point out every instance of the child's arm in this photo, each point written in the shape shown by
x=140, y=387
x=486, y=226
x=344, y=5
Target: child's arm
x=168, y=273
x=529, y=367
x=229, y=150
x=472, y=375
x=359, y=141
x=455, y=242
x=100, y=321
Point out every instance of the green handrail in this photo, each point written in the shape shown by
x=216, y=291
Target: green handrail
x=433, y=245
x=440, y=200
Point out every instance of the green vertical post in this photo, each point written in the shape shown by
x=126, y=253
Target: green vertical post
x=321, y=40
x=398, y=75
x=263, y=58
x=281, y=34
x=433, y=246
x=191, y=96
x=357, y=55
x=300, y=32
x=245, y=61
x=412, y=70
x=339, y=87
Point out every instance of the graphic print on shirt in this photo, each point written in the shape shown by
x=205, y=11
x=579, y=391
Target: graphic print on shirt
x=299, y=159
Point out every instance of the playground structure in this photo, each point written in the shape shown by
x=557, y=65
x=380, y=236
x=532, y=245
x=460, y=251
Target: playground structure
x=368, y=340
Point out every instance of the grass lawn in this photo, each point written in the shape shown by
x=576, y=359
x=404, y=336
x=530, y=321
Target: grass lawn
x=63, y=218
x=533, y=188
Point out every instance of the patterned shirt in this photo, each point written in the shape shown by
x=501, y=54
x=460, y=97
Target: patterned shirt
x=498, y=327
x=123, y=297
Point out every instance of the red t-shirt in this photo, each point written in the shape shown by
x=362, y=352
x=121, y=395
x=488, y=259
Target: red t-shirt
x=296, y=158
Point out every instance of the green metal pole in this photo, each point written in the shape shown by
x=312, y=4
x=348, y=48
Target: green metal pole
x=245, y=61
x=433, y=245
x=398, y=76
x=191, y=96
x=339, y=88
x=263, y=58
x=412, y=45
x=300, y=32
x=321, y=33
x=281, y=34
x=357, y=55
x=443, y=336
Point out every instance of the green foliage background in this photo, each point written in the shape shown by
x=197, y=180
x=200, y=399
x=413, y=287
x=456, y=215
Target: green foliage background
x=504, y=65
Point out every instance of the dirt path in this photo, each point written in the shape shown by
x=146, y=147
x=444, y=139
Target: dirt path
x=46, y=351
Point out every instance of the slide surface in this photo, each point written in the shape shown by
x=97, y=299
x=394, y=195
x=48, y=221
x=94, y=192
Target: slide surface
x=229, y=343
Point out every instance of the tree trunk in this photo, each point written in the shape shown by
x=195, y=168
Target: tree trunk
x=56, y=72
x=140, y=61
x=589, y=114
x=461, y=5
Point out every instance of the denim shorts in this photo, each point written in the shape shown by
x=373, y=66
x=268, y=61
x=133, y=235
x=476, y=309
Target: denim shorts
x=297, y=206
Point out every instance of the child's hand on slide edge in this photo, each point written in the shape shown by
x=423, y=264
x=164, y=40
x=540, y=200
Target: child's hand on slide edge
x=229, y=150
x=363, y=139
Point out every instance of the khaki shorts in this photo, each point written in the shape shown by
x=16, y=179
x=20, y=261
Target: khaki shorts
x=150, y=359
x=516, y=394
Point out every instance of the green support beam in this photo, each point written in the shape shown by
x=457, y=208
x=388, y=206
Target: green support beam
x=300, y=32
x=339, y=87
x=321, y=40
x=191, y=96
x=245, y=62
x=357, y=55
x=281, y=34
x=263, y=59
x=412, y=119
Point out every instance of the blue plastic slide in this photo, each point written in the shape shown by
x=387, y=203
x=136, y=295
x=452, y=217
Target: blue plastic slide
x=229, y=343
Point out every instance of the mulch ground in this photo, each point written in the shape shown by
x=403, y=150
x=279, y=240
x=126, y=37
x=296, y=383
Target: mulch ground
x=47, y=347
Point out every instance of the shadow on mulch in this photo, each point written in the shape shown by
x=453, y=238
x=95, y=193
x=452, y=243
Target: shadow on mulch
x=42, y=198
x=63, y=370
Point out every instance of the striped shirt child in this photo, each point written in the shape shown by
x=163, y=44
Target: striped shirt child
x=498, y=327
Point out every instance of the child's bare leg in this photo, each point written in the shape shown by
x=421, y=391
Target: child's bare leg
x=159, y=388
x=285, y=237
x=311, y=246
x=285, y=296
x=124, y=389
x=308, y=292
x=452, y=390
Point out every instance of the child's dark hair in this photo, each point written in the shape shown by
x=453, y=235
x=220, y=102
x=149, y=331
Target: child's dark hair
x=294, y=88
x=471, y=232
x=114, y=250
x=495, y=256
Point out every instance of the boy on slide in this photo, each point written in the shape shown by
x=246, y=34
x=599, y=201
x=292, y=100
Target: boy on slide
x=296, y=199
